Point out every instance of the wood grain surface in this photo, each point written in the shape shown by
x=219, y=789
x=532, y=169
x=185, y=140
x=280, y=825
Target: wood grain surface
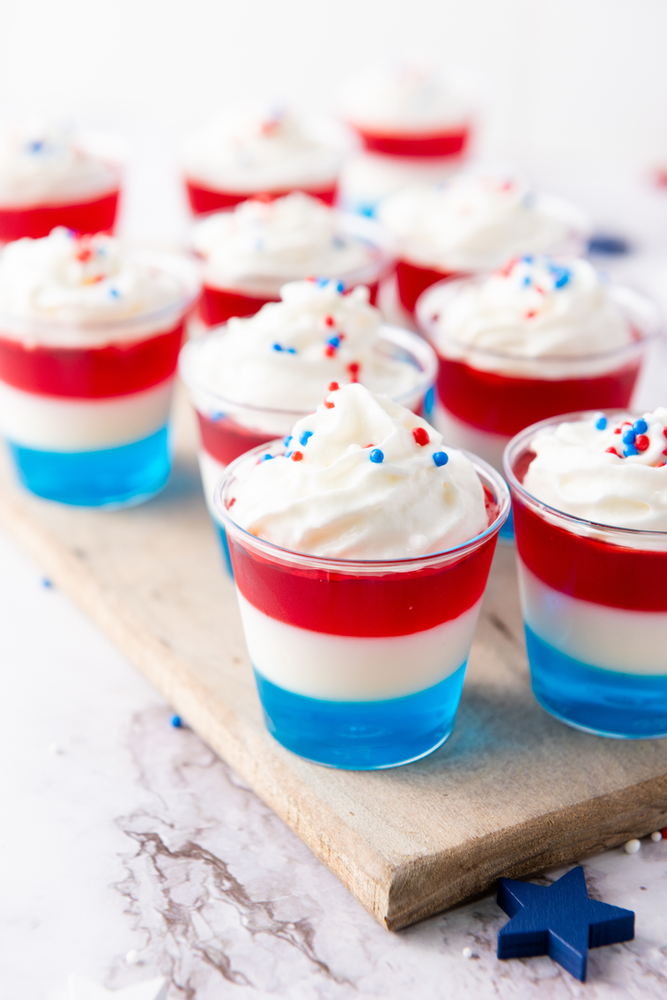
x=511, y=793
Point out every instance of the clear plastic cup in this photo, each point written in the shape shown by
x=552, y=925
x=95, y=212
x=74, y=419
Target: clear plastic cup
x=219, y=303
x=594, y=604
x=229, y=428
x=359, y=664
x=84, y=407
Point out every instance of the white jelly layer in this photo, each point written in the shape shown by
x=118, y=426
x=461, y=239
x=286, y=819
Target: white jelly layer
x=49, y=423
x=355, y=668
x=457, y=432
x=212, y=472
x=631, y=642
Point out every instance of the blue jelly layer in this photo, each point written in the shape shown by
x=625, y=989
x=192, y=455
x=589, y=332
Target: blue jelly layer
x=606, y=702
x=506, y=533
x=362, y=735
x=224, y=545
x=109, y=476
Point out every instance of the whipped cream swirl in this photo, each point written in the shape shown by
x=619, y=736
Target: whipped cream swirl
x=261, y=149
x=404, y=97
x=610, y=470
x=285, y=356
x=476, y=222
x=77, y=280
x=534, y=307
x=363, y=478
x=265, y=244
x=47, y=163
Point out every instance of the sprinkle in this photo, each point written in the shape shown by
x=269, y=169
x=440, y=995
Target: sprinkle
x=353, y=369
x=286, y=440
x=421, y=436
x=440, y=458
x=617, y=431
x=531, y=313
x=601, y=423
x=656, y=837
x=628, y=436
x=266, y=458
x=333, y=386
x=612, y=451
x=527, y=258
x=84, y=254
x=562, y=276
x=321, y=282
x=277, y=347
x=36, y=147
x=231, y=503
x=176, y=721
x=329, y=320
x=329, y=351
x=640, y=426
x=296, y=456
x=632, y=846
x=629, y=449
x=303, y=440
x=376, y=456
x=133, y=957
x=46, y=583
x=642, y=442
x=527, y=280
x=334, y=341
x=340, y=287
x=114, y=293
x=509, y=267
x=329, y=405
x=468, y=953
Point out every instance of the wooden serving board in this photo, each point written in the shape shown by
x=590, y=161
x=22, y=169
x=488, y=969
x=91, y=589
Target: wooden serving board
x=511, y=793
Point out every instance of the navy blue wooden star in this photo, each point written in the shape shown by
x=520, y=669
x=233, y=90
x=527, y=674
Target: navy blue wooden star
x=559, y=920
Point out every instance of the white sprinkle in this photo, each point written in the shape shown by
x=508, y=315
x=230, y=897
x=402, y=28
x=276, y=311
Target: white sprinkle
x=632, y=847
x=54, y=749
x=133, y=957
x=468, y=953
x=655, y=837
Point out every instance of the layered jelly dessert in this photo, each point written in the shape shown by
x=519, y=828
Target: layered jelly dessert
x=89, y=338
x=52, y=176
x=539, y=337
x=251, y=380
x=261, y=150
x=414, y=122
x=251, y=250
x=361, y=549
x=470, y=224
x=590, y=510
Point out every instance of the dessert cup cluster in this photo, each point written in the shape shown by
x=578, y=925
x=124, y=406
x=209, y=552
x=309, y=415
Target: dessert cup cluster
x=252, y=151
x=249, y=252
x=89, y=341
x=51, y=176
x=359, y=600
x=590, y=519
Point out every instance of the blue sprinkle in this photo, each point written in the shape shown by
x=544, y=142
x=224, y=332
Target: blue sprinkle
x=114, y=293
x=527, y=280
x=286, y=440
x=215, y=417
x=334, y=341
x=340, y=287
x=376, y=456
x=628, y=436
x=37, y=146
x=305, y=437
x=440, y=458
x=321, y=282
x=527, y=259
x=176, y=721
x=562, y=277
x=46, y=583
x=288, y=454
x=277, y=347
x=640, y=426
x=629, y=449
x=265, y=458
x=291, y=350
x=601, y=423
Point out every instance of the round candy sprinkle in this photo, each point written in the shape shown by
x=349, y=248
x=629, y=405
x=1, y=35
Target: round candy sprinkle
x=601, y=423
x=304, y=437
x=340, y=287
x=334, y=341
x=333, y=386
x=642, y=442
x=640, y=426
x=629, y=449
x=376, y=456
x=467, y=953
x=656, y=837
x=176, y=721
x=628, y=436
x=329, y=320
x=420, y=435
x=277, y=347
x=296, y=456
x=133, y=957
x=440, y=458
x=632, y=846
x=114, y=293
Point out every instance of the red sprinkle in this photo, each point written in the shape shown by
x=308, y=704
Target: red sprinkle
x=296, y=456
x=329, y=320
x=664, y=431
x=353, y=369
x=333, y=386
x=531, y=313
x=84, y=254
x=509, y=267
x=231, y=503
x=328, y=404
x=612, y=451
x=642, y=442
x=664, y=451
x=420, y=436
x=330, y=351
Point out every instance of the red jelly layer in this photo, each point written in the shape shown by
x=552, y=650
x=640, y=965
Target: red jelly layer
x=217, y=305
x=93, y=372
x=85, y=217
x=504, y=404
x=588, y=568
x=203, y=199
x=224, y=440
x=412, y=280
x=431, y=144
x=378, y=605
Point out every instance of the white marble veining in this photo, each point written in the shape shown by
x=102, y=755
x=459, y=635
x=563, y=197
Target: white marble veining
x=119, y=832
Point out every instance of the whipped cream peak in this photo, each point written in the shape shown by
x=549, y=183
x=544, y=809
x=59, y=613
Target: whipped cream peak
x=362, y=478
x=284, y=356
x=476, y=221
x=278, y=241
x=43, y=161
x=88, y=279
x=405, y=95
x=605, y=469
x=261, y=148
x=533, y=307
